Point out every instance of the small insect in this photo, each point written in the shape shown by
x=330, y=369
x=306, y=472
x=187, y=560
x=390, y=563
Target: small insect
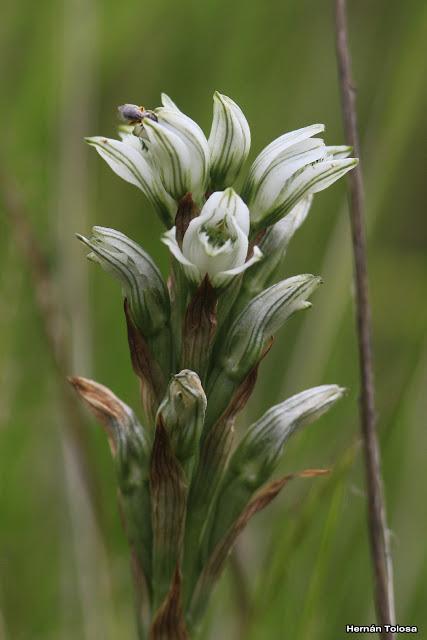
x=132, y=114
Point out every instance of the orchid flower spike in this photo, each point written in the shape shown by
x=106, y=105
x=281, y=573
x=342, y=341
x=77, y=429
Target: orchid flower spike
x=216, y=242
x=185, y=490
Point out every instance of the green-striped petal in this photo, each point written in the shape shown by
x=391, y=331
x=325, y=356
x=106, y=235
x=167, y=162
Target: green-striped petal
x=273, y=151
x=129, y=163
x=229, y=141
x=310, y=179
x=262, y=317
x=261, y=447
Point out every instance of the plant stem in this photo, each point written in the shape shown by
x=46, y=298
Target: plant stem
x=378, y=530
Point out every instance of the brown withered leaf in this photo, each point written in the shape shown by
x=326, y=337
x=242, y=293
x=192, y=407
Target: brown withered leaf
x=114, y=416
x=259, y=501
x=187, y=210
x=199, y=328
x=103, y=403
x=169, y=623
x=169, y=490
x=144, y=366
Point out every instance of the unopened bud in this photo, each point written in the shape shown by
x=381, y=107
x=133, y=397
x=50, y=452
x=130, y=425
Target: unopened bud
x=182, y=413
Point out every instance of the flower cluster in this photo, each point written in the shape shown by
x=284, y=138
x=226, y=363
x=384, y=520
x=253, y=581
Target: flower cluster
x=166, y=155
x=186, y=491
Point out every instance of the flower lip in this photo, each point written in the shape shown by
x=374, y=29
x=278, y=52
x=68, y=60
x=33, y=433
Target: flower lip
x=216, y=242
x=218, y=234
x=216, y=246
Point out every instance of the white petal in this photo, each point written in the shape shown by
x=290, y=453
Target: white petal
x=169, y=103
x=275, y=148
x=169, y=239
x=270, y=185
x=221, y=202
x=211, y=258
x=195, y=140
x=317, y=177
x=171, y=157
x=229, y=140
x=279, y=235
x=309, y=180
x=125, y=160
x=129, y=163
x=133, y=141
x=298, y=214
x=223, y=277
x=339, y=152
x=224, y=213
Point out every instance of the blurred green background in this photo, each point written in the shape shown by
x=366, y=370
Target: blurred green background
x=302, y=568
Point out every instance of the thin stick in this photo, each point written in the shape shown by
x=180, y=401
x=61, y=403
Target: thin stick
x=378, y=530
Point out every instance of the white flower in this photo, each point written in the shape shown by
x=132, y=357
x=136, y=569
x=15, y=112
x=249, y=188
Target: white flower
x=216, y=242
x=167, y=155
x=127, y=159
x=289, y=169
x=229, y=141
x=178, y=150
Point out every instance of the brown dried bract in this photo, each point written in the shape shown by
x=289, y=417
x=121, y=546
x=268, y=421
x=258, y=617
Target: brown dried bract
x=144, y=365
x=169, y=623
x=103, y=403
x=255, y=242
x=168, y=490
x=187, y=210
x=199, y=328
x=244, y=390
x=217, y=444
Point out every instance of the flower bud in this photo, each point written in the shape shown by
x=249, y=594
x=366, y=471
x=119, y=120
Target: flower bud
x=262, y=317
x=258, y=453
x=216, y=242
x=263, y=443
x=182, y=412
x=143, y=288
x=142, y=282
x=229, y=141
